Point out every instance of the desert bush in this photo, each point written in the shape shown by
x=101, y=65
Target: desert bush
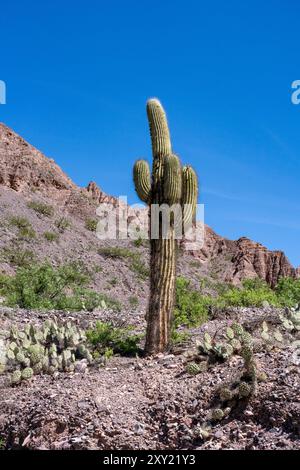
x=119, y=340
x=288, y=291
x=91, y=225
x=252, y=294
x=63, y=288
x=41, y=208
x=51, y=236
x=191, y=308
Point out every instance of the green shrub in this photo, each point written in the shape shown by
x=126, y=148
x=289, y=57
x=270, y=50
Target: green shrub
x=91, y=225
x=288, y=291
x=119, y=340
x=51, y=236
x=41, y=208
x=191, y=308
x=252, y=294
x=40, y=286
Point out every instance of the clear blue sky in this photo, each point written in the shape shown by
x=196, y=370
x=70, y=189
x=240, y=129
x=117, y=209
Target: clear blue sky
x=78, y=74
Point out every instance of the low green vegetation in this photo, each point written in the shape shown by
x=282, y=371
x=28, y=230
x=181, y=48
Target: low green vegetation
x=62, y=224
x=41, y=286
x=136, y=265
x=192, y=306
x=51, y=236
x=105, y=337
x=91, y=225
x=41, y=208
x=24, y=226
x=133, y=301
x=116, y=252
x=140, y=242
x=17, y=256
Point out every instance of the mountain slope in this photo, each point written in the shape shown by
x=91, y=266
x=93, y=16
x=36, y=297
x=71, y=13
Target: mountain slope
x=27, y=176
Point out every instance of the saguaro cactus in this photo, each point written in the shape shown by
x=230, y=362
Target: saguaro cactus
x=175, y=186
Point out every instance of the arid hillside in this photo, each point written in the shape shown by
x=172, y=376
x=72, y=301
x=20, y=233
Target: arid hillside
x=61, y=219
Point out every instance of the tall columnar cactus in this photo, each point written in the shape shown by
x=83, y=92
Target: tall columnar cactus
x=175, y=186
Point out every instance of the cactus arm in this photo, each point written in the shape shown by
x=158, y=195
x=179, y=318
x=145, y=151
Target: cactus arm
x=142, y=180
x=189, y=195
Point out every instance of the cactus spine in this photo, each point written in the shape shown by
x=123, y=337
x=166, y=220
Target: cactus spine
x=175, y=186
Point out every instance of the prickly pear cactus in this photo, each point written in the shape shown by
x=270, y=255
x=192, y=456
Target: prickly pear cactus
x=174, y=186
x=45, y=349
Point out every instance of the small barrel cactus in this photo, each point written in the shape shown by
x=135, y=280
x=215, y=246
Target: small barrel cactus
x=237, y=329
x=217, y=414
x=244, y=390
x=225, y=394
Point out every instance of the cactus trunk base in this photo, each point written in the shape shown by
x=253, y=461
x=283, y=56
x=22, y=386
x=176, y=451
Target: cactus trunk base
x=162, y=295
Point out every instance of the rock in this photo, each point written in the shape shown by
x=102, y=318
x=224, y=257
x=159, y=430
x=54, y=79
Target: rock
x=81, y=366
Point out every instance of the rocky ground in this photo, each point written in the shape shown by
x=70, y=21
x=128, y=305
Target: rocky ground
x=150, y=403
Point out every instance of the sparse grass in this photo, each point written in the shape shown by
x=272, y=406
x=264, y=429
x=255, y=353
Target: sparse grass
x=138, y=267
x=41, y=208
x=27, y=233
x=19, y=222
x=113, y=281
x=116, y=252
x=119, y=340
x=195, y=264
x=17, y=256
x=91, y=225
x=133, y=301
x=62, y=224
x=97, y=269
x=140, y=242
x=179, y=337
x=25, y=228
x=51, y=236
